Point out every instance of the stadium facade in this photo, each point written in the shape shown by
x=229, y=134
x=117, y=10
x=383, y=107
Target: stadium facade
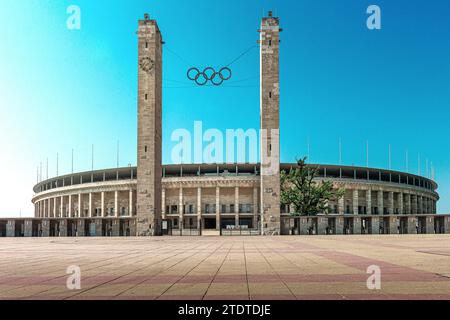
x=244, y=199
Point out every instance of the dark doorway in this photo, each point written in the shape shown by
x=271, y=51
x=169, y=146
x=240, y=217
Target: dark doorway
x=348, y=225
x=54, y=228
x=331, y=228
x=366, y=226
x=107, y=228
x=226, y=223
x=439, y=225
x=124, y=228
x=384, y=226
x=72, y=228
x=422, y=225
x=19, y=230
x=3, y=228
x=246, y=222
x=36, y=229
x=166, y=227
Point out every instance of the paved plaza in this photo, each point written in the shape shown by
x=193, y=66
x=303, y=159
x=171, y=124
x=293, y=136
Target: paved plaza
x=295, y=267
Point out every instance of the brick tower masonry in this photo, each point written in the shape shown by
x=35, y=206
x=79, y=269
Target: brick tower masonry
x=149, y=168
x=270, y=133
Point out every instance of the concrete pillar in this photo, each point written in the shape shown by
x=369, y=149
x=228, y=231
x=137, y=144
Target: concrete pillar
x=80, y=228
x=407, y=199
x=430, y=225
x=356, y=225
x=236, y=206
x=199, y=206
x=116, y=203
x=130, y=203
x=391, y=202
x=163, y=202
x=339, y=225
x=255, y=207
x=54, y=208
x=413, y=204
x=28, y=225
x=341, y=205
x=380, y=203
x=447, y=223
x=355, y=201
x=375, y=225
x=98, y=227
x=90, y=205
x=180, y=208
x=369, y=201
x=102, y=204
x=394, y=223
x=412, y=223
x=45, y=228
x=303, y=226
x=45, y=208
x=70, y=206
x=420, y=204
x=322, y=224
x=80, y=205
x=217, y=208
x=116, y=228
x=61, y=208
x=63, y=228
x=400, y=203
x=10, y=228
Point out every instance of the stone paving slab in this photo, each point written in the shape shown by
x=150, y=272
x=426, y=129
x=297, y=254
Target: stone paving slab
x=244, y=268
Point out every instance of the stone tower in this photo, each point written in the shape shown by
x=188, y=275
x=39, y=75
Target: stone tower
x=149, y=163
x=269, y=123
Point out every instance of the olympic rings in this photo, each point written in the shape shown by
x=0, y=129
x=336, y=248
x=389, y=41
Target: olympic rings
x=209, y=74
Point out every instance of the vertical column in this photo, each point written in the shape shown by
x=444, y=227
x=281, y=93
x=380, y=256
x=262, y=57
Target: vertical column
x=269, y=124
x=255, y=206
x=199, y=206
x=90, y=205
x=102, y=204
x=180, y=208
x=217, y=208
x=149, y=166
x=408, y=203
x=236, y=206
x=80, y=205
x=420, y=202
x=380, y=203
x=61, y=207
x=355, y=201
x=48, y=208
x=413, y=204
x=369, y=201
x=391, y=202
x=400, y=203
x=45, y=209
x=54, y=208
x=116, y=204
x=70, y=206
x=163, y=202
x=130, y=204
x=341, y=205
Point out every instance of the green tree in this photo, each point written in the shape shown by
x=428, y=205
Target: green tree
x=300, y=188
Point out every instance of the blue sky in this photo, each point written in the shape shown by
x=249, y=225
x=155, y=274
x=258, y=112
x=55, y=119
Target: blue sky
x=62, y=89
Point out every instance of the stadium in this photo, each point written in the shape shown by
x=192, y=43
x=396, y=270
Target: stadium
x=221, y=199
